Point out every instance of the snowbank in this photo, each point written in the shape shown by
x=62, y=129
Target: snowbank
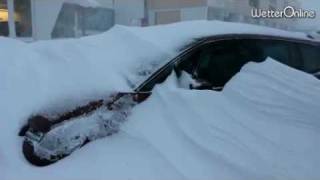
x=264, y=125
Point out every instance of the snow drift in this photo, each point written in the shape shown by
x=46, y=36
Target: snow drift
x=264, y=125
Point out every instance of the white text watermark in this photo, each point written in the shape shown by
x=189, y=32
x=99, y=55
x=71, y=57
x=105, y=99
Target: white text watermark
x=287, y=12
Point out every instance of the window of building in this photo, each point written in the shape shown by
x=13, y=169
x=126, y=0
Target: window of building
x=23, y=18
x=97, y=20
x=65, y=23
x=22, y=26
x=77, y=21
x=4, y=27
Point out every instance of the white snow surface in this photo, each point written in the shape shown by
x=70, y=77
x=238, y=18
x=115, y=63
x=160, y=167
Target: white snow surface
x=263, y=125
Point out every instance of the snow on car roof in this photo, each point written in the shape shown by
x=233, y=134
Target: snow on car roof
x=173, y=36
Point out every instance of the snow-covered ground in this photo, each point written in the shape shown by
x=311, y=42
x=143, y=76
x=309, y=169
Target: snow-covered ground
x=264, y=125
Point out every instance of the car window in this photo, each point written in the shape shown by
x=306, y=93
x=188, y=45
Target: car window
x=189, y=62
x=280, y=51
x=311, y=58
x=218, y=62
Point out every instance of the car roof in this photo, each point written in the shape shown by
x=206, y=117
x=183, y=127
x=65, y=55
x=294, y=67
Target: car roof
x=249, y=36
x=177, y=35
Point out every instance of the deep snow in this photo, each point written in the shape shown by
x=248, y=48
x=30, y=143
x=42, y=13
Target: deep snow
x=264, y=125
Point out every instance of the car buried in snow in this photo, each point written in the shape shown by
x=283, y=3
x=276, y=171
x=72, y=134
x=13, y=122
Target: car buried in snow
x=210, y=61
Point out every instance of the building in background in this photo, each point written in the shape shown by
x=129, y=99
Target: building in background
x=168, y=11
x=46, y=19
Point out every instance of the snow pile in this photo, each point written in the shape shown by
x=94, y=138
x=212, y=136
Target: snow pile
x=259, y=127
x=264, y=125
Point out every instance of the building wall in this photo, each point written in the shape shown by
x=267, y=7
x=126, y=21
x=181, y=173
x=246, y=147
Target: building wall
x=196, y=13
x=129, y=12
x=169, y=9
x=106, y=3
x=239, y=6
x=218, y=3
x=174, y=4
x=166, y=17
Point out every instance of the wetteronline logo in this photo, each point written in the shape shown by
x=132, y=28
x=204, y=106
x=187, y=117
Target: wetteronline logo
x=287, y=12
